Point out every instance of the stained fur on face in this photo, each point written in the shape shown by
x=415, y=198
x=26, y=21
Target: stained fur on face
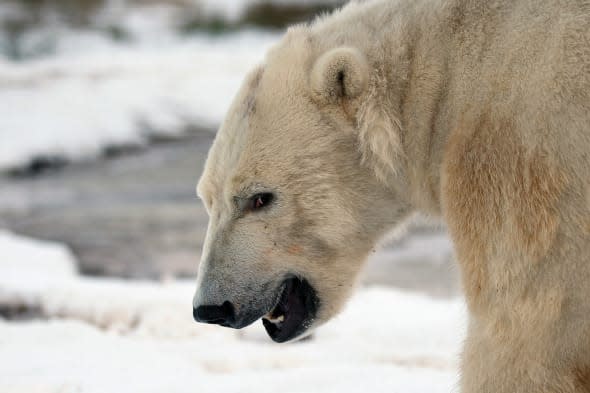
x=476, y=112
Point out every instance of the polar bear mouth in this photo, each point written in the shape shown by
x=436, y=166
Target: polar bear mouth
x=294, y=311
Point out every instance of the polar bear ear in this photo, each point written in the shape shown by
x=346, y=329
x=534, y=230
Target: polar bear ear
x=340, y=73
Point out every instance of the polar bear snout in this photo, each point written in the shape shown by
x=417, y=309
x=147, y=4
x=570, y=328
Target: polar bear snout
x=217, y=304
x=288, y=306
x=223, y=315
x=236, y=315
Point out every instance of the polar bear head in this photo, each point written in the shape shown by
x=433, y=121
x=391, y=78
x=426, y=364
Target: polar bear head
x=304, y=177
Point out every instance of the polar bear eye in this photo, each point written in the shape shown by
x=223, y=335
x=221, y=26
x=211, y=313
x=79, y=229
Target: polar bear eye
x=261, y=200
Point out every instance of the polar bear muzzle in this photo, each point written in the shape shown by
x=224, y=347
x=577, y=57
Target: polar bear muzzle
x=289, y=311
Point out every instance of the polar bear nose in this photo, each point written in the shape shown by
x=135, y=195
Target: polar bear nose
x=223, y=315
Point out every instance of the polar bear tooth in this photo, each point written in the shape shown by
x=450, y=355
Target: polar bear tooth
x=274, y=320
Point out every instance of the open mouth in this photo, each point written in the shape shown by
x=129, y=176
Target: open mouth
x=294, y=312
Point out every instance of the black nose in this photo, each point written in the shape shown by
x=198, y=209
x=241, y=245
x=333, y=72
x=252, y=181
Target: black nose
x=221, y=315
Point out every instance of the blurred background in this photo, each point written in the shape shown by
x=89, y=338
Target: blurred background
x=107, y=111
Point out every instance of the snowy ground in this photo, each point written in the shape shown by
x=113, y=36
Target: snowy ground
x=94, y=94
x=75, y=91
x=105, y=335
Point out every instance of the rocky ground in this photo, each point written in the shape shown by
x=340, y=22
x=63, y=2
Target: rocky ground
x=135, y=215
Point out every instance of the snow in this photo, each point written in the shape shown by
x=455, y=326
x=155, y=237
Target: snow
x=77, y=91
x=106, y=335
x=90, y=97
x=30, y=267
x=413, y=250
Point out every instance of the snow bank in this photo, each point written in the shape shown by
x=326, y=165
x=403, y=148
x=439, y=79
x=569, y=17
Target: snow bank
x=94, y=95
x=110, y=335
x=29, y=268
x=88, y=92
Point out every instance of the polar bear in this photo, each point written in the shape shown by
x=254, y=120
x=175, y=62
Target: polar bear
x=474, y=111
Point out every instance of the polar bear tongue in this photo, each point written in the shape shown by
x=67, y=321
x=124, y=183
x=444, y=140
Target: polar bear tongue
x=293, y=312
